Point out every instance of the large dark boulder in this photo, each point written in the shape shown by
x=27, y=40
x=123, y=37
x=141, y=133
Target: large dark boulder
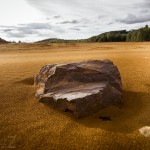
x=82, y=88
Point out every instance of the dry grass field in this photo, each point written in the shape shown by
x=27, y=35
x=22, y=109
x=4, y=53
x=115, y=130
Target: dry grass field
x=28, y=124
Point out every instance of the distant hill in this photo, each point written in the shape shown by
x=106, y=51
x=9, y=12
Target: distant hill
x=55, y=40
x=138, y=35
x=2, y=41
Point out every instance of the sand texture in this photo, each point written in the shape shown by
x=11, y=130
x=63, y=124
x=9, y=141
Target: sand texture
x=28, y=124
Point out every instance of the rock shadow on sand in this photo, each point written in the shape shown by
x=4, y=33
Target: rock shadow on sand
x=26, y=81
x=126, y=119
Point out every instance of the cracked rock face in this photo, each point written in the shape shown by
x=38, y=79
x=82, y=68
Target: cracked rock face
x=82, y=88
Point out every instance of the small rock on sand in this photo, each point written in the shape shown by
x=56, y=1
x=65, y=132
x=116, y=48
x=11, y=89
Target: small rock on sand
x=145, y=131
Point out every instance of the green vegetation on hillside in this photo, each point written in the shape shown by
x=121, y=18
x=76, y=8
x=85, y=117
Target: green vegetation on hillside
x=113, y=36
x=139, y=35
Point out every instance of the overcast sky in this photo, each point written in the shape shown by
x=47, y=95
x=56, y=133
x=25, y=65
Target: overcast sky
x=32, y=20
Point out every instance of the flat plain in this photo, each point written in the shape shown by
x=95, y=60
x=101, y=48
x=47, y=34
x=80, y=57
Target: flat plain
x=26, y=123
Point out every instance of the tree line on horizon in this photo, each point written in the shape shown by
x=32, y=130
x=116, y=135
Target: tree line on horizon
x=139, y=35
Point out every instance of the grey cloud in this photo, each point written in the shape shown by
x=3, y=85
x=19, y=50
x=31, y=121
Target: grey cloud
x=16, y=35
x=101, y=16
x=58, y=30
x=57, y=17
x=26, y=27
x=110, y=23
x=145, y=11
x=23, y=30
x=4, y=26
x=132, y=19
x=140, y=13
x=30, y=29
x=144, y=4
x=76, y=29
x=83, y=26
x=85, y=20
x=36, y=26
x=21, y=33
x=82, y=22
x=7, y=30
x=70, y=22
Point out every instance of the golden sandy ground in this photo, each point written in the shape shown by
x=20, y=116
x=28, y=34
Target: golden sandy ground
x=27, y=124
